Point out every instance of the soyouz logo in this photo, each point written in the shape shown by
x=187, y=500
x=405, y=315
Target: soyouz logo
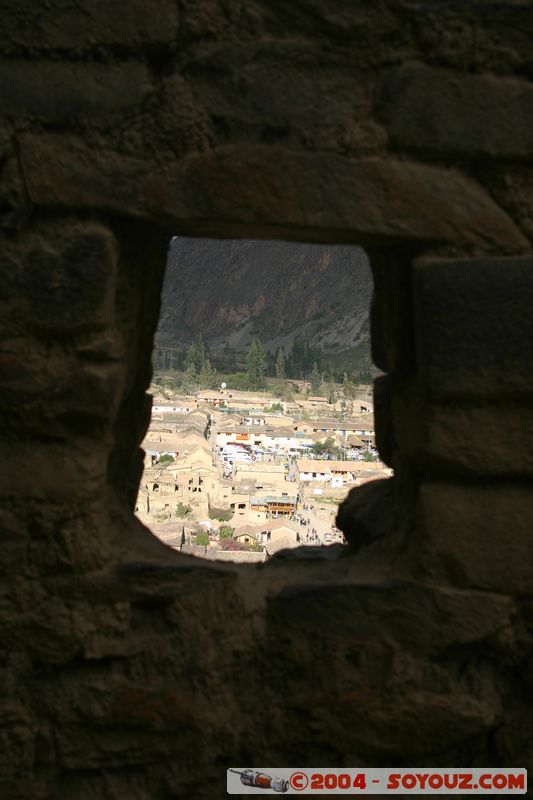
x=352, y=782
x=260, y=780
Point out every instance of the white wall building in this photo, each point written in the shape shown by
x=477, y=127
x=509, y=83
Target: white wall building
x=176, y=407
x=336, y=473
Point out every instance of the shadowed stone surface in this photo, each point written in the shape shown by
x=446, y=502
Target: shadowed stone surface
x=497, y=552
x=447, y=113
x=58, y=91
x=65, y=26
x=366, y=515
x=132, y=671
x=368, y=200
x=466, y=346
x=477, y=440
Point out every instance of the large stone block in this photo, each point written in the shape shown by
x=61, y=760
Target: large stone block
x=275, y=98
x=61, y=281
x=58, y=473
x=443, y=112
x=479, y=440
x=85, y=178
x=65, y=375
x=375, y=703
x=62, y=90
x=255, y=189
x=61, y=24
x=178, y=122
x=375, y=199
x=46, y=392
x=474, y=327
x=477, y=535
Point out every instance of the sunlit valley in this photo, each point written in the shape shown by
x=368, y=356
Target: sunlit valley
x=255, y=438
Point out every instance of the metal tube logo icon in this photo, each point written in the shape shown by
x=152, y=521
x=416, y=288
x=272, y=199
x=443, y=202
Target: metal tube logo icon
x=260, y=780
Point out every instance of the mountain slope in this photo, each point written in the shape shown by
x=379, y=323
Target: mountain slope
x=231, y=290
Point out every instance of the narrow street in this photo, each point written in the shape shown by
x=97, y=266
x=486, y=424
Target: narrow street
x=321, y=520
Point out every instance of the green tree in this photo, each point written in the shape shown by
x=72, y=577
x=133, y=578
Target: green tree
x=286, y=394
x=191, y=359
x=315, y=379
x=202, y=539
x=331, y=391
x=297, y=358
x=349, y=389
x=207, y=379
x=270, y=364
x=166, y=459
x=239, y=381
x=157, y=359
x=201, y=352
x=189, y=384
x=344, y=408
x=197, y=357
x=183, y=510
x=280, y=364
x=365, y=376
x=225, y=532
x=256, y=363
x=327, y=448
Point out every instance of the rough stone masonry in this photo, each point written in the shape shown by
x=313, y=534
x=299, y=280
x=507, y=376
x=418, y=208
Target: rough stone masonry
x=403, y=126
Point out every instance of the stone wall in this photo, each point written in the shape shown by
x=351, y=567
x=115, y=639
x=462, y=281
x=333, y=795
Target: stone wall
x=129, y=670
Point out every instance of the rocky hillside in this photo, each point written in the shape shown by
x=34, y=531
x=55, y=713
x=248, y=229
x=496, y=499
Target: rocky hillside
x=230, y=291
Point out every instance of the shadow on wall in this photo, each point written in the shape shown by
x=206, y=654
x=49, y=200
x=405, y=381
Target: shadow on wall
x=131, y=669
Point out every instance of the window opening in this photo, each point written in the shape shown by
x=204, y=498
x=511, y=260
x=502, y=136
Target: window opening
x=262, y=394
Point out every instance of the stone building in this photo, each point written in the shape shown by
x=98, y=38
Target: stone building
x=401, y=126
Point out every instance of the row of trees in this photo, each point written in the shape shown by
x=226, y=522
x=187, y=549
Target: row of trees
x=298, y=362
x=305, y=362
x=199, y=371
x=301, y=362
x=329, y=449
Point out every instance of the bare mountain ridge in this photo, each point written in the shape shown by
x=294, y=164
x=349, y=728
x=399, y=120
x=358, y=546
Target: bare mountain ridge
x=232, y=290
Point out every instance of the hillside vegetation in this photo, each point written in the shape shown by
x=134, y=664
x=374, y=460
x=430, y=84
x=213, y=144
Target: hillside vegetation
x=231, y=291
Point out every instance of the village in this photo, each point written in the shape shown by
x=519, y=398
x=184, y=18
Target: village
x=240, y=476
